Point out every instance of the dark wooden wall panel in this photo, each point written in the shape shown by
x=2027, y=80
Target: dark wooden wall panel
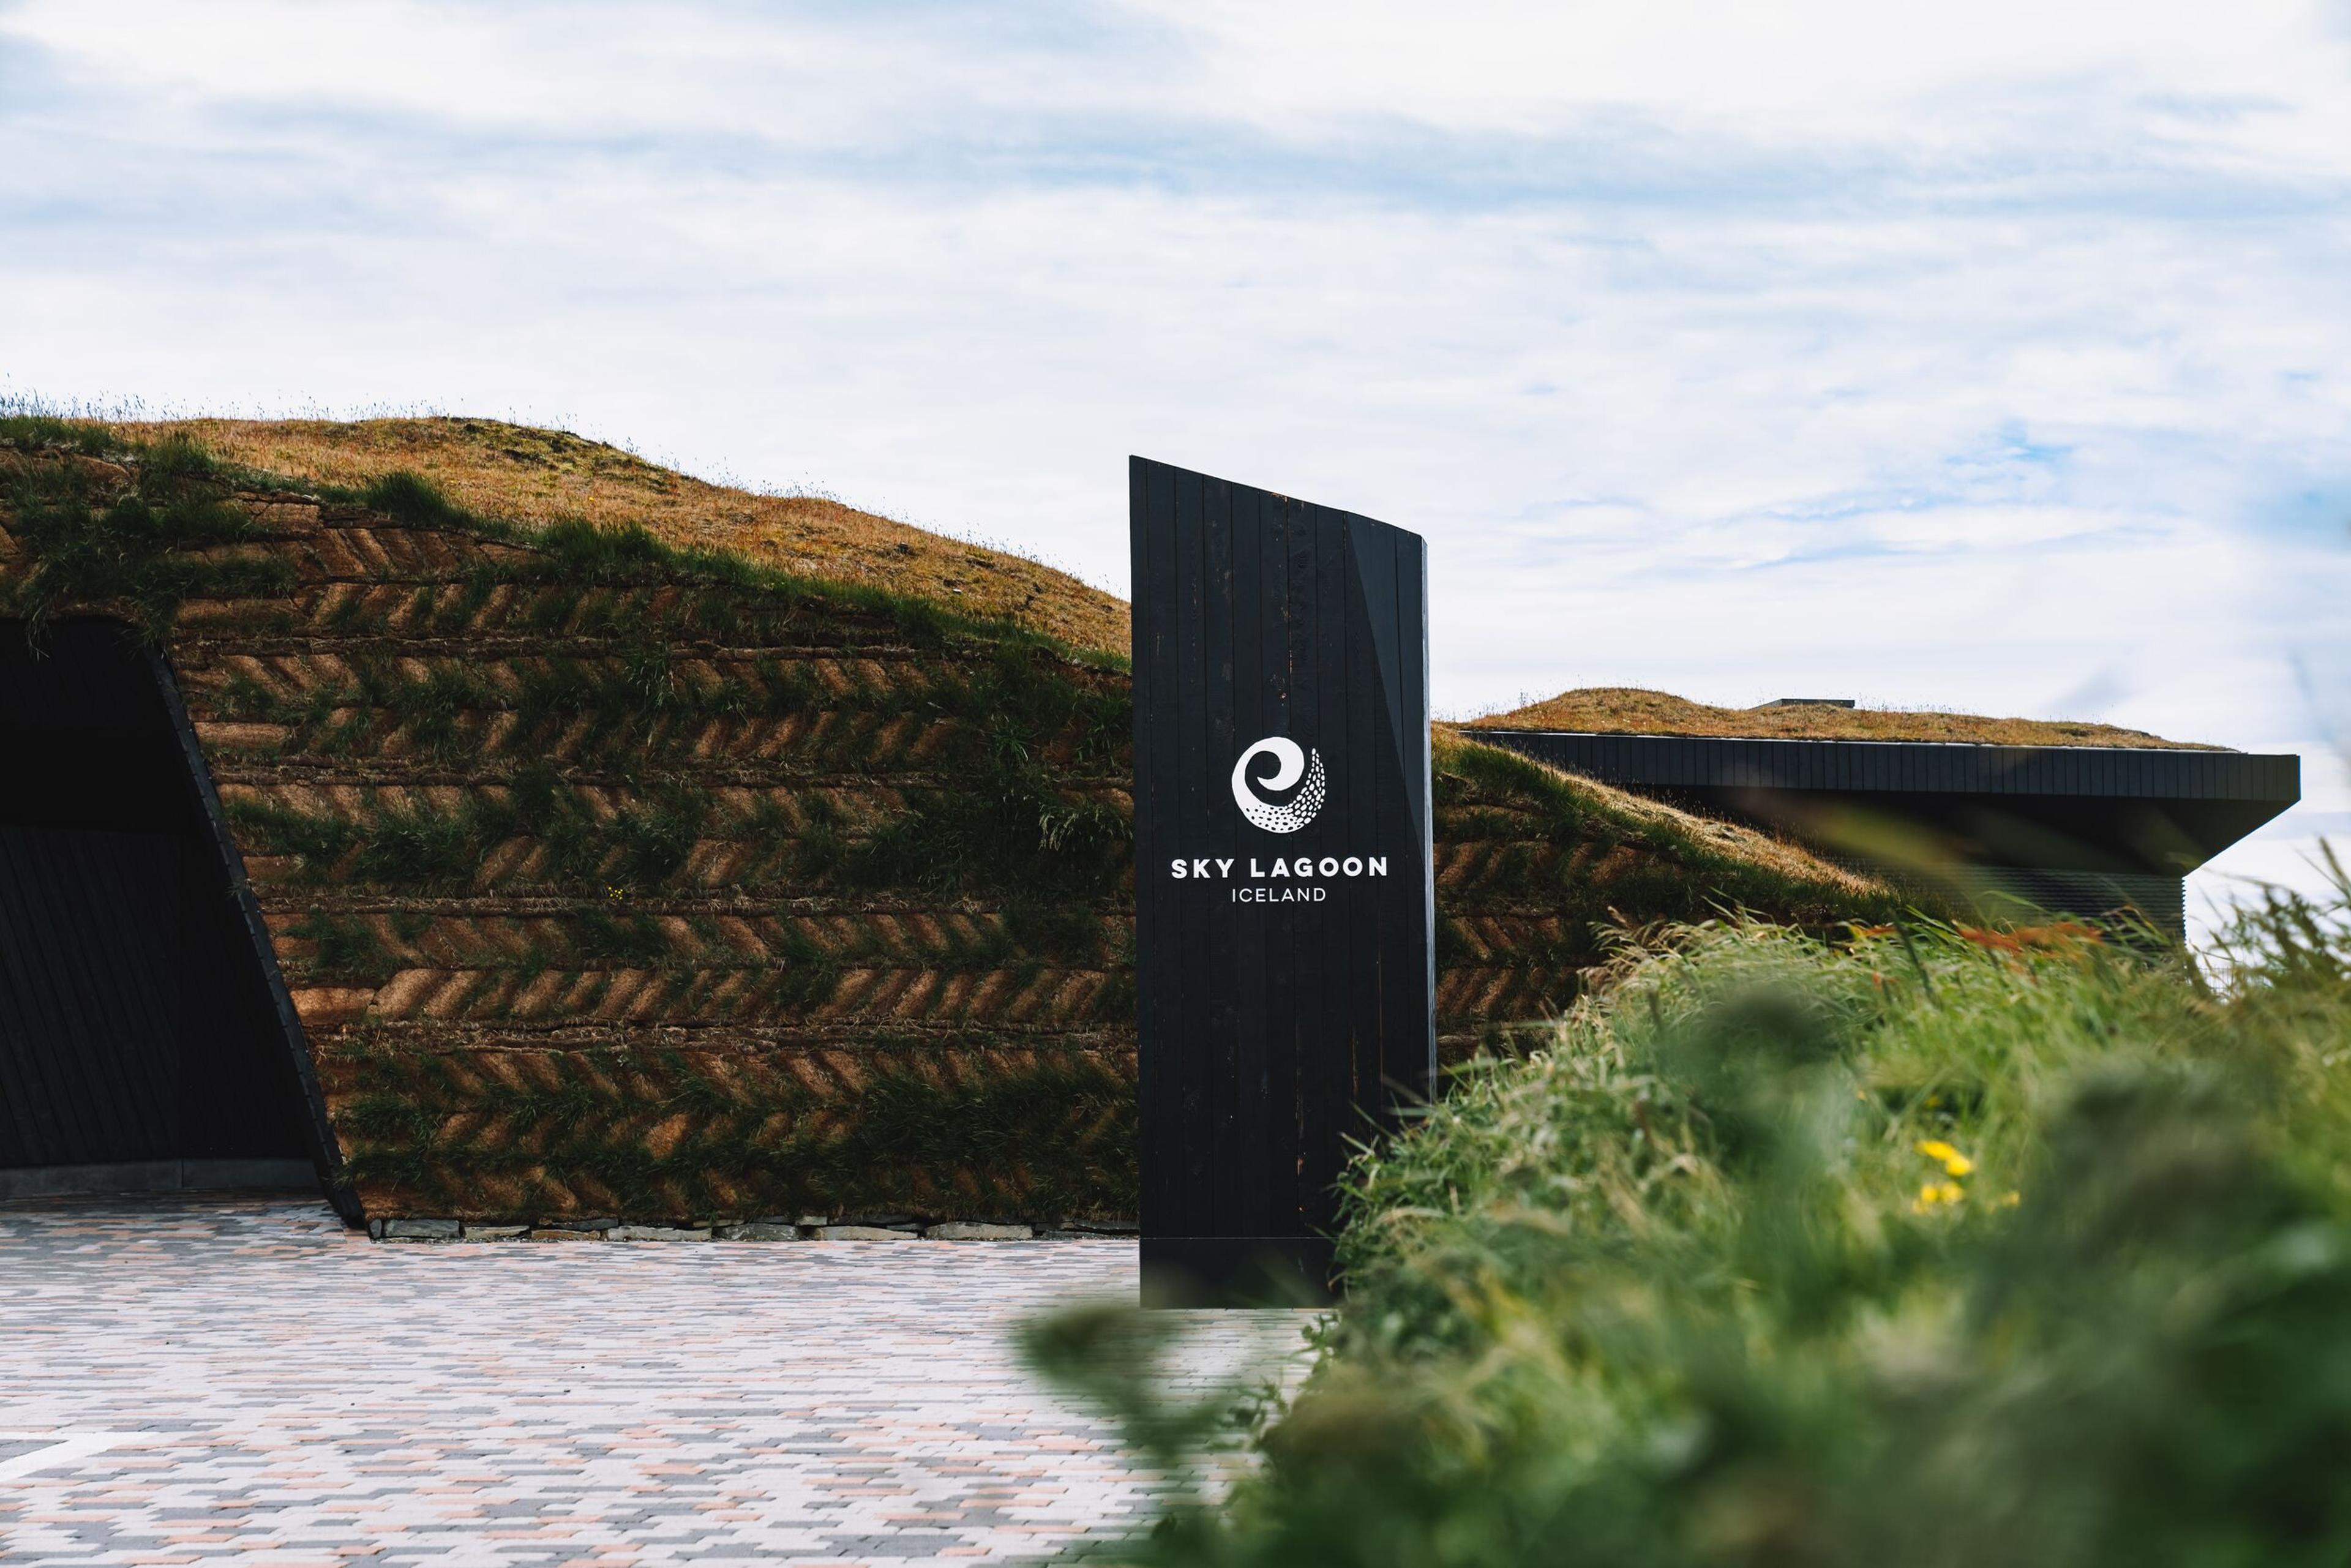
x=1926, y=767
x=2080, y=830
x=134, y=1020
x=2126, y=808
x=1274, y=1033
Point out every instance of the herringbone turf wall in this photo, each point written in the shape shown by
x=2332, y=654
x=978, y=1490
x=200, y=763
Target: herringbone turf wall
x=610, y=881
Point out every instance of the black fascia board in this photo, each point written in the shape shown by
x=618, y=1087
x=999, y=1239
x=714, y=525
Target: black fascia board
x=2059, y=807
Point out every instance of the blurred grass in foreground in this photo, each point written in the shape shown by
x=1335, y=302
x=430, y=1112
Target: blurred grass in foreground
x=1930, y=1248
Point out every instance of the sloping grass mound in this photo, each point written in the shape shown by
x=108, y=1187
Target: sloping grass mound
x=535, y=478
x=611, y=875
x=1630, y=710
x=1929, y=1246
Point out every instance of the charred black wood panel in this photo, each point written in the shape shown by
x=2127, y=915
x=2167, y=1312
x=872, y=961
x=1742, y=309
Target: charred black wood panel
x=2091, y=830
x=1940, y=765
x=137, y=1022
x=2073, y=808
x=1285, y=922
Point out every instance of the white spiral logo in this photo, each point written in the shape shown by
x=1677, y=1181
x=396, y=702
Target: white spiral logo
x=1288, y=763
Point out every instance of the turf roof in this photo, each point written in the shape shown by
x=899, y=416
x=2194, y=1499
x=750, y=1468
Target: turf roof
x=537, y=477
x=1631, y=710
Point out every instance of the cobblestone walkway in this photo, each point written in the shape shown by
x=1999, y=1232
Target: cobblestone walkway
x=249, y=1382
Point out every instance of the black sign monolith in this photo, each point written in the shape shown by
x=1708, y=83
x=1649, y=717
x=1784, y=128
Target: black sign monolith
x=1284, y=915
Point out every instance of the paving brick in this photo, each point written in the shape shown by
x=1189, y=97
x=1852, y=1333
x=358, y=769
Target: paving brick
x=968, y=1230
x=865, y=1233
x=655, y=1233
x=216, y=1382
x=420, y=1230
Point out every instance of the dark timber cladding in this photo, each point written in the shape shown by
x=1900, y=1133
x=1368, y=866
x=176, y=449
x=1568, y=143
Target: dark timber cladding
x=141, y=1035
x=2066, y=807
x=1285, y=979
x=2073, y=829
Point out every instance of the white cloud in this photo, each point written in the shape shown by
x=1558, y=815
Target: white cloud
x=1963, y=355
x=1826, y=67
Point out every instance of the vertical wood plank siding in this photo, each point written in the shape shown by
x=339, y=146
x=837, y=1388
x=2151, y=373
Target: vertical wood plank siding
x=134, y=1020
x=1921, y=767
x=1274, y=1033
x=2076, y=829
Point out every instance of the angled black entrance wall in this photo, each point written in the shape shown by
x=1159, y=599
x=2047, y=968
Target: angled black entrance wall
x=141, y=1043
x=1284, y=906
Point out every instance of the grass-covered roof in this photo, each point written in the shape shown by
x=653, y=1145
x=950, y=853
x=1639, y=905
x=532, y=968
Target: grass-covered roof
x=519, y=474
x=1632, y=710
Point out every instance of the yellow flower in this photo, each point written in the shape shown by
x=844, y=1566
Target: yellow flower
x=2011, y=1199
x=1954, y=1163
x=1934, y=1193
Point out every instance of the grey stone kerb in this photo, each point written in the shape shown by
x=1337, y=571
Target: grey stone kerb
x=774, y=1228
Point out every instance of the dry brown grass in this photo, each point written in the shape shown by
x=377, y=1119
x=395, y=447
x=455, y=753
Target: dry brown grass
x=534, y=477
x=1630, y=710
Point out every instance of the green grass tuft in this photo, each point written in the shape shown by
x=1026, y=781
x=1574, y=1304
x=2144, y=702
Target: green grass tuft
x=1929, y=1245
x=41, y=432
x=155, y=547
x=414, y=499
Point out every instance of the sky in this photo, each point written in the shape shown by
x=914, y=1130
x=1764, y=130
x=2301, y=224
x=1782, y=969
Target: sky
x=1991, y=356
